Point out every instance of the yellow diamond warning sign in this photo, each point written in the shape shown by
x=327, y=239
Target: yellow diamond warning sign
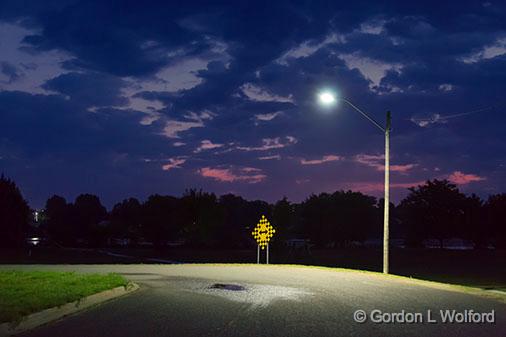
x=263, y=232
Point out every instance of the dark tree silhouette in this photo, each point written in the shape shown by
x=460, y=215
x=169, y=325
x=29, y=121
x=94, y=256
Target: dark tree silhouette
x=436, y=210
x=355, y=216
x=14, y=214
x=433, y=210
x=317, y=218
x=233, y=230
x=235, y=218
x=89, y=214
x=339, y=218
x=256, y=209
x=161, y=220
x=474, y=224
x=284, y=220
x=60, y=220
x=126, y=219
x=495, y=209
x=202, y=218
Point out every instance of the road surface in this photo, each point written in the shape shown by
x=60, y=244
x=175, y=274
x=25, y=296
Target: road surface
x=195, y=300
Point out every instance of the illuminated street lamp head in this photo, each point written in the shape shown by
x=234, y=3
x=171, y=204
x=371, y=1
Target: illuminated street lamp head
x=327, y=98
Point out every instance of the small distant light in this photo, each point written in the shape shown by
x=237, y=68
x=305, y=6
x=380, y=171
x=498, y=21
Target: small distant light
x=327, y=98
x=34, y=241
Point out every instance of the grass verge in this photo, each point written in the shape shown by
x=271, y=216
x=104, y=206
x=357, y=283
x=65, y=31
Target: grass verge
x=23, y=293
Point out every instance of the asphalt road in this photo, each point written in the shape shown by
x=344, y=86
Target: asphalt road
x=180, y=301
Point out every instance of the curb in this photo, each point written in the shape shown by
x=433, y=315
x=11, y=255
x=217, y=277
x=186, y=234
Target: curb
x=500, y=292
x=48, y=315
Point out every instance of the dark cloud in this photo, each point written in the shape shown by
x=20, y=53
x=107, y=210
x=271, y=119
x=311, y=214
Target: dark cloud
x=93, y=89
x=10, y=71
x=40, y=125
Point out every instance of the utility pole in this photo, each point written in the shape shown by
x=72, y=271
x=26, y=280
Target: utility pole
x=386, y=215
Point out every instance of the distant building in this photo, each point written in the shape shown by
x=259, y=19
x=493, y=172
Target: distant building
x=453, y=243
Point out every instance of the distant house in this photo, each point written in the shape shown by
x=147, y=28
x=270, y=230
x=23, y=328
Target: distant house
x=375, y=243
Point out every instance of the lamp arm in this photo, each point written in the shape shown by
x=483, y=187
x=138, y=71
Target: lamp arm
x=365, y=115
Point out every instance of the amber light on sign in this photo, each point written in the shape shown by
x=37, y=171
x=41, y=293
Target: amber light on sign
x=263, y=232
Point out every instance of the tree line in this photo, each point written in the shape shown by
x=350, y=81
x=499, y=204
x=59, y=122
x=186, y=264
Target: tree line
x=435, y=210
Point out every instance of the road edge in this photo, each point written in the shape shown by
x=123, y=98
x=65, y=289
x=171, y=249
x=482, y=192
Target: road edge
x=52, y=314
x=497, y=295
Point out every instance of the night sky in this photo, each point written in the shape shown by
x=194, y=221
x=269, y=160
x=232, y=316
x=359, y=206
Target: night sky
x=132, y=98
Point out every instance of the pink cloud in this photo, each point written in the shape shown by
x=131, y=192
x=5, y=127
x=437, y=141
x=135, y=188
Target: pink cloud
x=277, y=157
x=173, y=128
x=325, y=159
x=398, y=168
x=370, y=160
x=377, y=161
x=302, y=181
x=250, y=169
x=250, y=175
x=259, y=94
x=271, y=143
x=206, y=144
x=268, y=116
x=461, y=178
x=174, y=163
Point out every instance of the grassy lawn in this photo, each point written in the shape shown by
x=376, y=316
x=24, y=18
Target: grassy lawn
x=22, y=293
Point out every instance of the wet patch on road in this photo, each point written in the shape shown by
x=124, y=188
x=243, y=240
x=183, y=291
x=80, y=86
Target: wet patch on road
x=224, y=286
x=258, y=295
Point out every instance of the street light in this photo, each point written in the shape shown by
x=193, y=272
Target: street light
x=328, y=98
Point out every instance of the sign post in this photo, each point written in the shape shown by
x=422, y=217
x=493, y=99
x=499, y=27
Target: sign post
x=263, y=233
